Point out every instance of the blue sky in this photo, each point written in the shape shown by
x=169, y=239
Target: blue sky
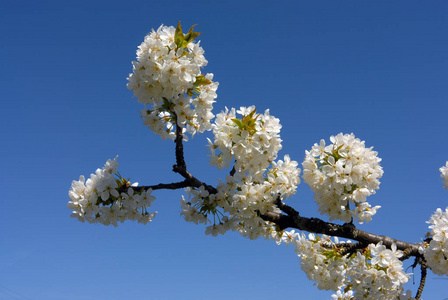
x=374, y=68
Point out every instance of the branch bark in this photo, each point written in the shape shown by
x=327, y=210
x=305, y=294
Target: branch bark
x=422, y=280
x=292, y=219
x=160, y=186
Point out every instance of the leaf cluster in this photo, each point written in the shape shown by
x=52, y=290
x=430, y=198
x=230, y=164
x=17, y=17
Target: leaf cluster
x=182, y=40
x=247, y=122
x=200, y=80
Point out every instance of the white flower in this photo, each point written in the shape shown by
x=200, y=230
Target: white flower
x=111, y=165
x=342, y=295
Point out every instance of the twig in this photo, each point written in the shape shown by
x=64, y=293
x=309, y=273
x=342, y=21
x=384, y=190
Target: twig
x=423, y=279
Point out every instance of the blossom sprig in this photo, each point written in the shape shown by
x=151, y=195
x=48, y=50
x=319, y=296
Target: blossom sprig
x=321, y=261
x=342, y=175
x=377, y=273
x=252, y=141
x=167, y=77
x=435, y=248
x=436, y=251
x=374, y=272
x=100, y=199
x=200, y=206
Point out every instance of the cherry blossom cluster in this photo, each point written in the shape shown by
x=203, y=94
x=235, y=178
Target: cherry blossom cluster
x=321, y=262
x=252, y=142
x=199, y=205
x=444, y=175
x=342, y=175
x=436, y=252
x=167, y=77
x=371, y=273
x=377, y=273
x=99, y=200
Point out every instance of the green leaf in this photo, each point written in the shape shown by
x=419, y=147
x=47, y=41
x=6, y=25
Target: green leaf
x=238, y=123
x=178, y=36
x=193, y=91
x=201, y=80
x=249, y=121
x=190, y=36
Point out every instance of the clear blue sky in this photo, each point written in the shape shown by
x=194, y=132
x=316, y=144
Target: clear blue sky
x=374, y=68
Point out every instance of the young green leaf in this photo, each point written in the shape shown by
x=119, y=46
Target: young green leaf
x=179, y=36
x=190, y=36
x=201, y=80
x=238, y=123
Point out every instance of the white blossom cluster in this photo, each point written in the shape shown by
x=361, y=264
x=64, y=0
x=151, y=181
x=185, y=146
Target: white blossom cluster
x=199, y=199
x=98, y=199
x=436, y=253
x=377, y=273
x=374, y=273
x=342, y=175
x=252, y=142
x=444, y=175
x=321, y=262
x=167, y=77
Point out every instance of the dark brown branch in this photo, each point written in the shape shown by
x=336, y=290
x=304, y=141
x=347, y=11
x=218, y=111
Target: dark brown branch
x=180, y=161
x=406, y=254
x=160, y=186
x=422, y=280
x=233, y=171
x=350, y=248
x=181, y=167
x=292, y=219
x=193, y=181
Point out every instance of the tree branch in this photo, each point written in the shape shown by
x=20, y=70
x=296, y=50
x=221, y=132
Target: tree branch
x=423, y=279
x=180, y=161
x=292, y=219
x=160, y=186
x=193, y=181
